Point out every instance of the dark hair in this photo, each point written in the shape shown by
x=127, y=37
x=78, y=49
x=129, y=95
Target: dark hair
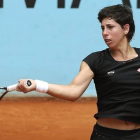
x=122, y=14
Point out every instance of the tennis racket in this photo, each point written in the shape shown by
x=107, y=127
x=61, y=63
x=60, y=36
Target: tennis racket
x=11, y=88
x=7, y=89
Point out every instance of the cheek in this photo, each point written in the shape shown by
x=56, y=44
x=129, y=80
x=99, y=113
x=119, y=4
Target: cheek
x=117, y=35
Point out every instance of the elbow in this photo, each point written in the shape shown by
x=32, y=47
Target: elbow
x=74, y=98
x=75, y=94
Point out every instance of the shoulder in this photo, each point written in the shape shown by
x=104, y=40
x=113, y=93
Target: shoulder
x=95, y=55
x=94, y=59
x=137, y=49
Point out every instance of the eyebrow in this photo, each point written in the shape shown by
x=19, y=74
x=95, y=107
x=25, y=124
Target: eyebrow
x=107, y=25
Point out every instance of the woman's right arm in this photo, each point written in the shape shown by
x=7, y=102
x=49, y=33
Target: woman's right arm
x=70, y=92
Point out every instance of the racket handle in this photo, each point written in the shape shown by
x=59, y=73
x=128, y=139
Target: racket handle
x=11, y=88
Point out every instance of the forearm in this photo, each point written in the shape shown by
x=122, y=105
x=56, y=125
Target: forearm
x=76, y=88
x=67, y=92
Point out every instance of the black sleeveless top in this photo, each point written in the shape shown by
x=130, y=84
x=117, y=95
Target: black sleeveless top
x=117, y=84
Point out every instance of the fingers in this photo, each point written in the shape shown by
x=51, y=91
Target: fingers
x=26, y=85
x=21, y=85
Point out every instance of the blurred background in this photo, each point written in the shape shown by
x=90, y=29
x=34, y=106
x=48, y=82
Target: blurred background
x=48, y=39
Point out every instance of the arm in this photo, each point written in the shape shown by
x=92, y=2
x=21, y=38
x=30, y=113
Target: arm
x=69, y=92
x=76, y=88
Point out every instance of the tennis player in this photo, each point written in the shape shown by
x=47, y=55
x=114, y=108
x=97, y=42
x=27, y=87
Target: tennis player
x=116, y=74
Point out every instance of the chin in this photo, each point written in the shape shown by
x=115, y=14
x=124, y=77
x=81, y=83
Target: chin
x=110, y=46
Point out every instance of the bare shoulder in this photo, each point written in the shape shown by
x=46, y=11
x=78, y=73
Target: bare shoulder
x=86, y=69
x=84, y=65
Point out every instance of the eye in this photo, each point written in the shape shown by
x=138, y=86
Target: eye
x=102, y=28
x=110, y=27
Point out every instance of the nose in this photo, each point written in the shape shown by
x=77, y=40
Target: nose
x=105, y=32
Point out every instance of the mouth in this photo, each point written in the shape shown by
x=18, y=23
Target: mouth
x=108, y=41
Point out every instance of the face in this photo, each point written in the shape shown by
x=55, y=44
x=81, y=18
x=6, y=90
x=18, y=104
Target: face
x=113, y=34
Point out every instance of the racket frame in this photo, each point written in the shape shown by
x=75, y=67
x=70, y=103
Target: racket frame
x=3, y=94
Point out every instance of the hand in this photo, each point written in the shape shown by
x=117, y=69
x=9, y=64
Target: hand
x=24, y=87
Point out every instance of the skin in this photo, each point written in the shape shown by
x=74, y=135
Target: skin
x=115, y=38
x=70, y=92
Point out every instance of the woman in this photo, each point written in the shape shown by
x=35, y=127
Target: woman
x=116, y=73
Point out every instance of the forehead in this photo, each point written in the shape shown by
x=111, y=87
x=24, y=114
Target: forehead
x=107, y=21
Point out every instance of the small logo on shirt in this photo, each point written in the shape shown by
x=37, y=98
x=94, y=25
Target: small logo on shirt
x=138, y=69
x=110, y=72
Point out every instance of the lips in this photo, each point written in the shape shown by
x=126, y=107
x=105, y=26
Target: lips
x=108, y=41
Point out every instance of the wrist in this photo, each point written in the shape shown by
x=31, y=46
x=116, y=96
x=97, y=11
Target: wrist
x=41, y=86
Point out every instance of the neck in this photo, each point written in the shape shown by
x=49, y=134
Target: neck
x=123, y=53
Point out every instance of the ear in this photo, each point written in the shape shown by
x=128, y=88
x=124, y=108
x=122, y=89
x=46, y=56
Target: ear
x=126, y=28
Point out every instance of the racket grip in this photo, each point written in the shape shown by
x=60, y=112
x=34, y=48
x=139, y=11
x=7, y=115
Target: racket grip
x=11, y=88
